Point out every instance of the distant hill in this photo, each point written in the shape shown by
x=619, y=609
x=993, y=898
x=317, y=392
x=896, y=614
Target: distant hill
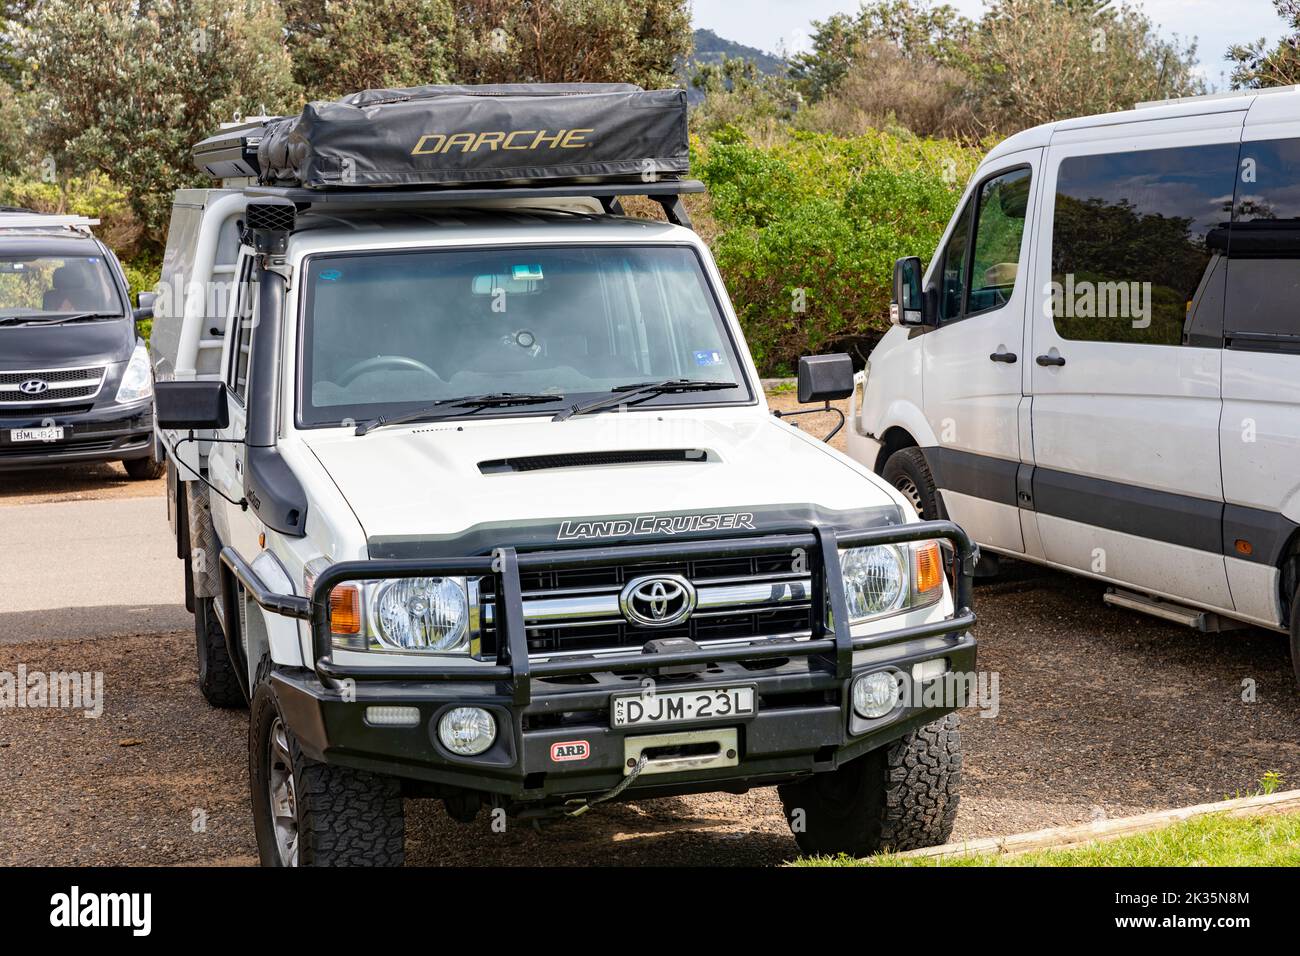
x=710, y=48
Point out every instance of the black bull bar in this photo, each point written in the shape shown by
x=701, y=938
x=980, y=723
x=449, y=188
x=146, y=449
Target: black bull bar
x=830, y=641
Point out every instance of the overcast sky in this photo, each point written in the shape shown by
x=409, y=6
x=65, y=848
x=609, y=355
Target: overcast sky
x=1216, y=24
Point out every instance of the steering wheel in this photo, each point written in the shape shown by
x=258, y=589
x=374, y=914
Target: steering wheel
x=386, y=361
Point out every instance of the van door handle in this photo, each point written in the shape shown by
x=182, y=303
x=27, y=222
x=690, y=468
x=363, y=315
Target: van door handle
x=1008, y=357
x=1046, y=360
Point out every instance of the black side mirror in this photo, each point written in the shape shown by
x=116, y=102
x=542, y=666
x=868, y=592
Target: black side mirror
x=911, y=306
x=144, y=303
x=824, y=378
x=187, y=405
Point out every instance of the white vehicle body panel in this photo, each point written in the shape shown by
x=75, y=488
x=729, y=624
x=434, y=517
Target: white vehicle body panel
x=1215, y=430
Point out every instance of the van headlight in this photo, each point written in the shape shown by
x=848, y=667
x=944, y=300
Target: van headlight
x=884, y=578
x=403, y=615
x=137, y=379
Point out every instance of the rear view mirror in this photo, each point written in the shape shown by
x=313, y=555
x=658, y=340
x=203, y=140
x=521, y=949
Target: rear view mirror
x=191, y=405
x=824, y=378
x=908, y=307
x=144, y=305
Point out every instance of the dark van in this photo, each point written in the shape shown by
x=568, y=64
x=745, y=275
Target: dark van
x=75, y=381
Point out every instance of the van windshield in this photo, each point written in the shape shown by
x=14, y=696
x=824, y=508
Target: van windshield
x=388, y=333
x=40, y=288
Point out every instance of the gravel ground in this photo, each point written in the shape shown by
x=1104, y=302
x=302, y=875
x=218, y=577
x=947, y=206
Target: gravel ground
x=74, y=483
x=1102, y=712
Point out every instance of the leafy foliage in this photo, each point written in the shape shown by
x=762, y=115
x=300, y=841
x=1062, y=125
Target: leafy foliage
x=810, y=230
x=126, y=85
x=1256, y=65
x=550, y=41
x=339, y=48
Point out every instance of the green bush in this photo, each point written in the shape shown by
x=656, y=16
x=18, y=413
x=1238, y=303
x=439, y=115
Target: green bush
x=808, y=230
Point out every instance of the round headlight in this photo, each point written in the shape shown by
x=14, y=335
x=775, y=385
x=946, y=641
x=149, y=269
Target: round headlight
x=467, y=731
x=875, y=580
x=421, y=614
x=875, y=695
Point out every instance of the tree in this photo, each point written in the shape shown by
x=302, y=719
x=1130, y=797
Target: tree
x=1042, y=60
x=1256, y=66
x=917, y=31
x=557, y=41
x=339, y=48
x=126, y=87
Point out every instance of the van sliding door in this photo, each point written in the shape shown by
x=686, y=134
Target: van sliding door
x=1126, y=356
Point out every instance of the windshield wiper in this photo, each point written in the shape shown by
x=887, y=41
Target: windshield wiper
x=37, y=320
x=639, y=392
x=493, y=400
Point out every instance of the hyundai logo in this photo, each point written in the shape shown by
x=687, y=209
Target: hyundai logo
x=660, y=600
x=34, y=386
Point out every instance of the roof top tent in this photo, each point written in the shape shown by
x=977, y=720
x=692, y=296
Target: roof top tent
x=462, y=145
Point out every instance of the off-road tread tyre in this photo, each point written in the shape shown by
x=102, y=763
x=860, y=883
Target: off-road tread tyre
x=346, y=817
x=911, y=463
x=900, y=797
x=218, y=681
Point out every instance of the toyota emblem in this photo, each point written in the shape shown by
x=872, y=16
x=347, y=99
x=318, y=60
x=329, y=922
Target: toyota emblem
x=659, y=600
x=34, y=386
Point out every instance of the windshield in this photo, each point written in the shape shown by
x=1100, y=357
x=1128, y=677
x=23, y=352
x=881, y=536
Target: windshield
x=43, y=287
x=387, y=333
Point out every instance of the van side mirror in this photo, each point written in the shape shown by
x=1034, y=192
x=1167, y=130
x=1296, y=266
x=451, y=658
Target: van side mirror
x=191, y=405
x=911, y=306
x=144, y=303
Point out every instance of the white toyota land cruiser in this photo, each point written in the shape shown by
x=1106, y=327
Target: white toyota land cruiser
x=480, y=498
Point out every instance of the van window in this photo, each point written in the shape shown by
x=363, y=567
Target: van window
x=999, y=228
x=953, y=275
x=1263, y=294
x=1136, y=242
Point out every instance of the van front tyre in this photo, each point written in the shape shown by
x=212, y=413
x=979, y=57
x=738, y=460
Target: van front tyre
x=218, y=681
x=908, y=471
x=902, y=796
x=307, y=813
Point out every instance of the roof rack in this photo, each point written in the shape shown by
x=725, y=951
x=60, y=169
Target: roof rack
x=667, y=193
x=1208, y=97
x=35, y=220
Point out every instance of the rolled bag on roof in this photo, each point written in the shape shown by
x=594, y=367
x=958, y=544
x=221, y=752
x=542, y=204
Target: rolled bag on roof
x=479, y=135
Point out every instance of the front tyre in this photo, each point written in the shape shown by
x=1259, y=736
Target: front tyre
x=902, y=796
x=908, y=471
x=147, y=469
x=307, y=813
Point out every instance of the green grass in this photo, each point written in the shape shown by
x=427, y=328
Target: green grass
x=1205, y=841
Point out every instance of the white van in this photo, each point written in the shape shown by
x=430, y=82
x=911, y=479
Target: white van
x=1100, y=370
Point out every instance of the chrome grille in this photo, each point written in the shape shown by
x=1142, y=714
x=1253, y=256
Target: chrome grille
x=577, y=611
x=62, y=385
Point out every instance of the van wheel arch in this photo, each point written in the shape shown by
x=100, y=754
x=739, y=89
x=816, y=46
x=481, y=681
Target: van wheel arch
x=895, y=439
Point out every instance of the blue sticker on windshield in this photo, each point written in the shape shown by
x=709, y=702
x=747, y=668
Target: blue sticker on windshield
x=708, y=357
x=331, y=275
x=526, y=273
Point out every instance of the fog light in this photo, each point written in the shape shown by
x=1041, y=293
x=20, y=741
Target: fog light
x=392, y=716
x=875, y=695
x=467, y=731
